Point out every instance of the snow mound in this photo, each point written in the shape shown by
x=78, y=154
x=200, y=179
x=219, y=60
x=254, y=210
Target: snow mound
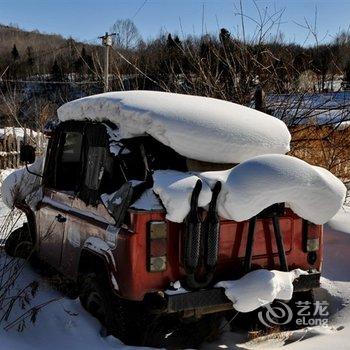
x=311, y=192
x=341, y=221
x=260, y=287
x=17, y=132
x=61, y=324
x=197, y=127
x=20, y=185
x=175, y=190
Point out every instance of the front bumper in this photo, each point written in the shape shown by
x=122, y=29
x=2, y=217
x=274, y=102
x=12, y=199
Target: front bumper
x=214, y=300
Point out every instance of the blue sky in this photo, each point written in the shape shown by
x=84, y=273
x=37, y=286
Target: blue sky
x=87, y=19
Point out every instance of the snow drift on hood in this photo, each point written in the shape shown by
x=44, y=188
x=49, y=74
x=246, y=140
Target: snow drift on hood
x=197, y=127
x=312, y=192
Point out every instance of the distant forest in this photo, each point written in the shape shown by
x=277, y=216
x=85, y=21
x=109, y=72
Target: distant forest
x=52, y=69
x=217, y=65
x=39, y=72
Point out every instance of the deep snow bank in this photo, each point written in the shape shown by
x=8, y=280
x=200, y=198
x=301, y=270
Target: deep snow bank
x=312, y=192
x=341, y=221
x=260, y=287
x=61, y=324
x=17, y=132
x=197, y=127
x=19, y=185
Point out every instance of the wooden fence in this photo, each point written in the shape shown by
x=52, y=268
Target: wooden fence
x=11, y=139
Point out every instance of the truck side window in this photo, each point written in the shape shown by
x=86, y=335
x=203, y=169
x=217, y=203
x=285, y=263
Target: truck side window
x=71, y=152
x=96, y=170
x=95, y=167
x=120, y=169
x=69, y=162
x=131, y=165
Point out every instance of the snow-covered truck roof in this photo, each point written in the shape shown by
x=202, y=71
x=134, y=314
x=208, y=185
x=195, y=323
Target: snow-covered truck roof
x=196, y=127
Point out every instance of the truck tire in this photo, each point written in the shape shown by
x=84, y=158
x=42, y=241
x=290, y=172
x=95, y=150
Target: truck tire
x=133, y=325
x=96, y=298
x=121, y=318
x=19, y=244
x=186, y=333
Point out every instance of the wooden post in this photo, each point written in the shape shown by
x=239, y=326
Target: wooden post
x=31, y=136
x=2, y=157
x=259, y=97
x=18, y=149
x=38, y=144
x=6, y=149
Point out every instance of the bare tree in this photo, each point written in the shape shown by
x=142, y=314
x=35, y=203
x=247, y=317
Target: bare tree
x=128, y=36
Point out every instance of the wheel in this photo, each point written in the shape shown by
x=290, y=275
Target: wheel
x=19, y=244
x=132, y=324
x=121, y=318
x=189, y=333
x=94, y=296
x=97, y=298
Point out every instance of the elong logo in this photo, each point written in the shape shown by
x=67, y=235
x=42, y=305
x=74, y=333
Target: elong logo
x=307, y=314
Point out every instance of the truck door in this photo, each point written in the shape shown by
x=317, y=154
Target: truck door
x=62, y=174
x=88, y=216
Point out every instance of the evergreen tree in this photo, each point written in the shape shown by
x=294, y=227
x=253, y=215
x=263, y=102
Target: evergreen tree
x=224, y=36
x=84, y=62
x=170, y=42
x=347, y=73
x=30, y=57
x=88, y=61
x=15, y=53
x=56, y=72
x=177, y=42
x=79, y=64
x=83, y=53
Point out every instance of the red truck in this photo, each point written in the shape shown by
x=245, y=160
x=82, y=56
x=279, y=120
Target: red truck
x=125, y=260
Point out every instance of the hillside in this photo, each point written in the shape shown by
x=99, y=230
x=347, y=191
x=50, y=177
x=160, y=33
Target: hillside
x=28, y=53
x=10, y=35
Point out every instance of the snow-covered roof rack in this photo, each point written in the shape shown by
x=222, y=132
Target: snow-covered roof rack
x=196, y=127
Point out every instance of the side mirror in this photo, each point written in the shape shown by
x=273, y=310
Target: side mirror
x=27, y=154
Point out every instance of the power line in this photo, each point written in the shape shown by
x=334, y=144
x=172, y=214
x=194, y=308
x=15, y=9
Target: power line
x=48, y=82
x=139, y=9
x=137, y=68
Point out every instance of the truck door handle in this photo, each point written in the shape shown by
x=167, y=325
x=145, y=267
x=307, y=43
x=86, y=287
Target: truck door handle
x=60, y=218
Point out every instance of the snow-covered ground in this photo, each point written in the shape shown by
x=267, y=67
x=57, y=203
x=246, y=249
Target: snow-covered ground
x=63, y=323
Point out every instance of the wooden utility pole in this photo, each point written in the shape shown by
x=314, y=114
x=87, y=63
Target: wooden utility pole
x=259, y=97
x=107, y=43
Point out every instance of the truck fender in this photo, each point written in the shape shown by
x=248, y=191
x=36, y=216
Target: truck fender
x=29, y=213
x=95, y=249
